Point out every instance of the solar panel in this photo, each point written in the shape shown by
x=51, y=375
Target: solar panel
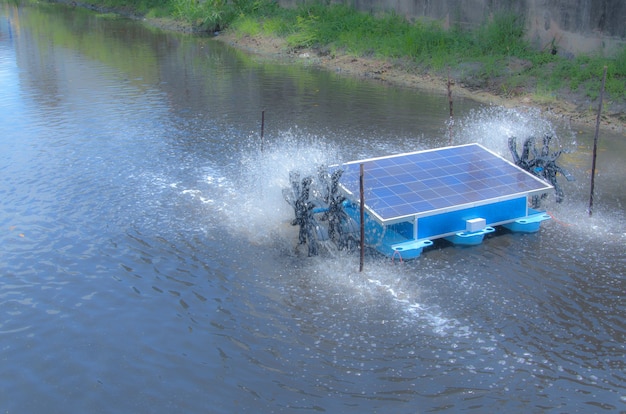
x=436, y=181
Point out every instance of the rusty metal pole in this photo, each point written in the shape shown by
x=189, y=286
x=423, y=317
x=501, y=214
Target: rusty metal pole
x=262, y=128
x=450, y=104
x=362, y=217
x=595, y=144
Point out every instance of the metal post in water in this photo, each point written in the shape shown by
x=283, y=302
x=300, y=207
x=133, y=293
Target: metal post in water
x=262, y=128
x=595, y=144
x=450, y=104
x=362, y=217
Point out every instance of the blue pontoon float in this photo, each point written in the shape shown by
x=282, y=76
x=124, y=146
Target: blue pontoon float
x=459, y=193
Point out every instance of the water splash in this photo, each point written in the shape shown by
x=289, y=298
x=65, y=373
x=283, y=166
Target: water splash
x=493, y=125
x=384, y=292
x=262, y=212
x=572, y=219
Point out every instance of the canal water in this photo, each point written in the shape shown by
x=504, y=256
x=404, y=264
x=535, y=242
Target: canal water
x=147, y=263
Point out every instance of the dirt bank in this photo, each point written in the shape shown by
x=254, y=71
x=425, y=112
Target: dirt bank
x=574, y=108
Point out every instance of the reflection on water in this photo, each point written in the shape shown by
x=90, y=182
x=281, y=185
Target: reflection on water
x=148, y=263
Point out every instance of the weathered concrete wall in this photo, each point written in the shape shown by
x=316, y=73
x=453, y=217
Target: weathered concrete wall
x=572, y=26
x=584, y=26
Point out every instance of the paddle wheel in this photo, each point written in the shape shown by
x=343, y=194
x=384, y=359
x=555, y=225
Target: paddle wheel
x=541, y=163
x=318, y=207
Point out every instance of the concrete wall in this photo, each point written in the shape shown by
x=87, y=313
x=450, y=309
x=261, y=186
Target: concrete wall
x=583, y=26
x=572, y=26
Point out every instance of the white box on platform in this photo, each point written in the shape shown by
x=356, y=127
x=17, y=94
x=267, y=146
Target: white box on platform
x=475, y=224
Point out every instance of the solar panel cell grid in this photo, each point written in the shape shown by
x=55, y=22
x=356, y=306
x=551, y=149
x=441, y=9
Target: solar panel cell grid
x=424, y=182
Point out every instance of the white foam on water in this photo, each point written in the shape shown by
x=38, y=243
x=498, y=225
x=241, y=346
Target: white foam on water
x=579, y=228
x=261, y=212
x=386, y=285
x=493, y=125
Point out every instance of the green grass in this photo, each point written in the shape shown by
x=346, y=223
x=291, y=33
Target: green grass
x=157, y=8
x=246, y=26
x=430, y=47
x=584, y=73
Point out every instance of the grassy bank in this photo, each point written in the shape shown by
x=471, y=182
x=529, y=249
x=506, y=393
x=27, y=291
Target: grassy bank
x=494, y=57
x=496, y=49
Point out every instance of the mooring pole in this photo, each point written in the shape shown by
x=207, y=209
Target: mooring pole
x=262, y=128
x=362, y=217
x=450, y=104
x=595, y=144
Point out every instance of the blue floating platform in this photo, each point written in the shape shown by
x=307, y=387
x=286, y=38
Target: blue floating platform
x=459, y=193
x=470, y=238
x=528, y=224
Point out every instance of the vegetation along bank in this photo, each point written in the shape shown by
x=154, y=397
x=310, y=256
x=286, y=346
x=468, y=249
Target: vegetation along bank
x=492, y=63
